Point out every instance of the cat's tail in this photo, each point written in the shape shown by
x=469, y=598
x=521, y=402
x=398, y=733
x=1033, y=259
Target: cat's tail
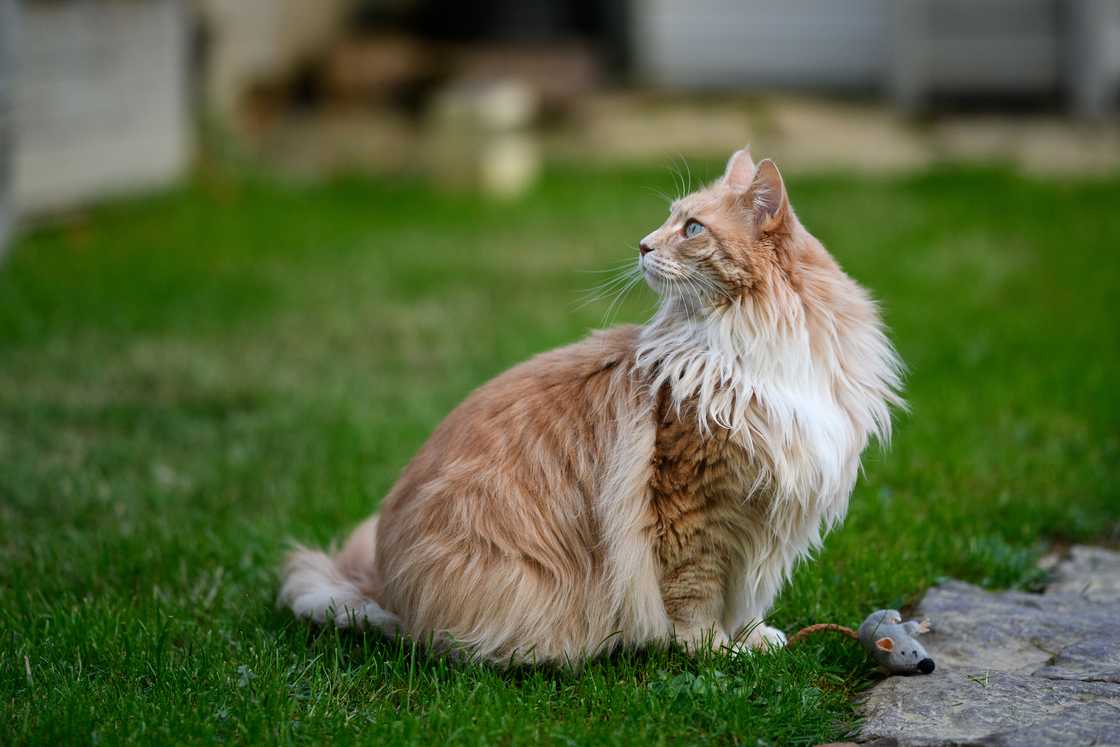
x=316, y=588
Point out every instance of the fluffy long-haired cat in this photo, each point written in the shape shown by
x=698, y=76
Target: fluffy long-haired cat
x=646, y=484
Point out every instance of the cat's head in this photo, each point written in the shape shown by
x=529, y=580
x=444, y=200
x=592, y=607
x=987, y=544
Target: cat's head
x=725, y=242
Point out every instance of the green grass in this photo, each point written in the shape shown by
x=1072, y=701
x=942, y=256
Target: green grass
x=189, y=380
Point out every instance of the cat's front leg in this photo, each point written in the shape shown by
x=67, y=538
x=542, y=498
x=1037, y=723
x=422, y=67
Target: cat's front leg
x=750, y=594
x=693, y=597
x=700, y=637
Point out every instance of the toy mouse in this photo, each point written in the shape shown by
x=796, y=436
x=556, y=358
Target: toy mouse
x=893, y=644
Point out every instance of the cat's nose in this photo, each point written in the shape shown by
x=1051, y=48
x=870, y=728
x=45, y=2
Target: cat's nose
x=925, y=666
x=644, y=248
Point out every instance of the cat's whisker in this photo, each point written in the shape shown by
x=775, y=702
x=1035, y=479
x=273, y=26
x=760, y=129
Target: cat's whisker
x=681, y=301
x=590, y=298
x=615, y=267
x=619, y=298
x=611, y=271
x=698, y=296
x=607, y=289
x=678, y=181
x=676, y=294
x=711, y=286
x=688, y=171
x=659, y=193
x=620, y=276
x=619, y=272
x=697, y=292
x=686, y=287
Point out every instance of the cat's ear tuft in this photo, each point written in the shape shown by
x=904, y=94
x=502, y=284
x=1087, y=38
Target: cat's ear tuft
x=768, y=198
x=740, y=170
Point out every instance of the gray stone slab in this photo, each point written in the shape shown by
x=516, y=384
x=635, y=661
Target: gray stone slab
x=955, y=707
x=1092, y=572
x=1013, y=668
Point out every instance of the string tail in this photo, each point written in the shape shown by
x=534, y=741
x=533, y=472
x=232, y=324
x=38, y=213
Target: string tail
x=820, y=628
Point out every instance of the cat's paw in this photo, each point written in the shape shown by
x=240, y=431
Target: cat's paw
x=764, y=638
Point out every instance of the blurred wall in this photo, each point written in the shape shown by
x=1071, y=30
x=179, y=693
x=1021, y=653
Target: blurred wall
x=761, y=43
x=913, y=50
x=100, y=99
x=7, y=19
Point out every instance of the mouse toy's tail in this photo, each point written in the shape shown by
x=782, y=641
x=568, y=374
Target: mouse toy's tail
x=820, y=628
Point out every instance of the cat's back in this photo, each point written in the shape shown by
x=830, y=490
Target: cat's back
x=568, y=386
x=535, y=432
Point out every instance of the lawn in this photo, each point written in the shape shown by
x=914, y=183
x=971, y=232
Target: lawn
x=188, y=381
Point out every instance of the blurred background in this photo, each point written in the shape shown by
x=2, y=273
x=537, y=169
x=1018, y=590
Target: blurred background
x=106, y=96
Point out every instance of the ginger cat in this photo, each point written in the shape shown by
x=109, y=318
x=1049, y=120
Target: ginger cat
x=646, y=484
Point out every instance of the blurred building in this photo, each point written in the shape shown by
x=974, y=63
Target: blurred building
x=757, y=44
x=101, y=96
x=914, y=51
x=917, y=53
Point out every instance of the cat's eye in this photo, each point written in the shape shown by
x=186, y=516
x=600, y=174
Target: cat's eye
x=692, y=229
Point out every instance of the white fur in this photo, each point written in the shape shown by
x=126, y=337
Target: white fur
x=316, y=589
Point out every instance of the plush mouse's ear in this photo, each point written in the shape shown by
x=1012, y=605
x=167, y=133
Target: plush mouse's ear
x=885, y=644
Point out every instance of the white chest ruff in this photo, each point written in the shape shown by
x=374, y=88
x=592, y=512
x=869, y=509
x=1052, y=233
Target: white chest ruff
x=779, y=402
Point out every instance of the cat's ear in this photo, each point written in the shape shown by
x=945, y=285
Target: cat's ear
x=740, y=170
x=767, y=198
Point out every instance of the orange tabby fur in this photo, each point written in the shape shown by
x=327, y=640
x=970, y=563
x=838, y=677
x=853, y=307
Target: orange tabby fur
x=648, y=483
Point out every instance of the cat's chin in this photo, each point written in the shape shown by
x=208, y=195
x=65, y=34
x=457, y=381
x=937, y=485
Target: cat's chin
x=656, y=284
